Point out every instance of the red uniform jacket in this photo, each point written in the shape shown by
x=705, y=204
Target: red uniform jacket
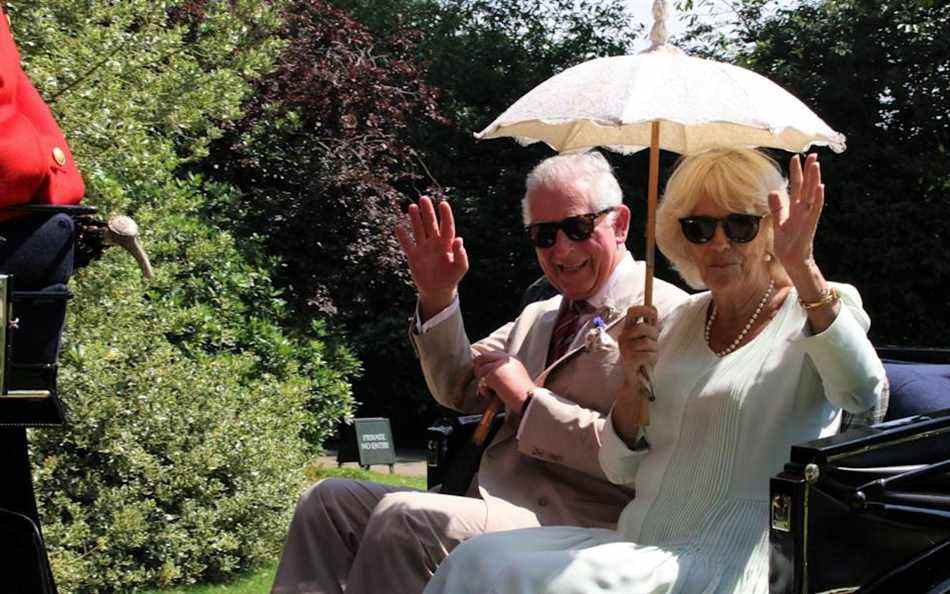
x=36, y=165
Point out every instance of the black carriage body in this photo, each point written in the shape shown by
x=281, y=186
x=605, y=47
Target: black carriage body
x=864, y=509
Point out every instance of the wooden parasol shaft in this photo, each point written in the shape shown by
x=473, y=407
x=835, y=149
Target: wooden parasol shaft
x=652, y=190
x=644, y=383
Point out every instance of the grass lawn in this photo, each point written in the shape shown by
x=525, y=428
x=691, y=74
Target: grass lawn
x=317, y=473
x=259, y=581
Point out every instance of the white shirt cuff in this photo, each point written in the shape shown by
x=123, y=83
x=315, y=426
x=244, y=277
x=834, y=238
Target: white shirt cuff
x=619, y=461
x=422, y=328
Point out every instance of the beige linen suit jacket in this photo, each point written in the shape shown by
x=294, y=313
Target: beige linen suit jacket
x=549, y=473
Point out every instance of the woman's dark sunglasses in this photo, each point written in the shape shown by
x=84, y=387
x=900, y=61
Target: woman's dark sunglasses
x=577, y=228
x=738, y=227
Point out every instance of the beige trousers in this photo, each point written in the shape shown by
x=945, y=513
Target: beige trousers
x=366, y=538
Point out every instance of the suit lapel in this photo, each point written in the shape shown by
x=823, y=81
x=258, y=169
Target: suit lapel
x=579, y=346
x=536, y=353
x=627, y=291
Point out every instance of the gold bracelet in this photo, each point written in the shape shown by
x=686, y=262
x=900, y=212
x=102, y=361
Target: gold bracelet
x=827, y=297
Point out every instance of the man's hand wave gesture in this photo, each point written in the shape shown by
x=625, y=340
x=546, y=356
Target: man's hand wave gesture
x=437, y=258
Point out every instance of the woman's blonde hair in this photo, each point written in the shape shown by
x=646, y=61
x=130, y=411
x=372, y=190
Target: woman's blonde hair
x=737, y=180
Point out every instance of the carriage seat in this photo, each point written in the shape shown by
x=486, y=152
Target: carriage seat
x=916, y=388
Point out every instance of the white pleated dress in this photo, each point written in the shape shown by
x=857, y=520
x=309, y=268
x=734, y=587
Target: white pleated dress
x=720, y=428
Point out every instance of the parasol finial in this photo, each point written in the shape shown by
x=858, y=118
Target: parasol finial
x=659, y=34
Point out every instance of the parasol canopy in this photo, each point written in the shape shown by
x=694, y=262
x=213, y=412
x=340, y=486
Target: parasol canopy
x=699, y=104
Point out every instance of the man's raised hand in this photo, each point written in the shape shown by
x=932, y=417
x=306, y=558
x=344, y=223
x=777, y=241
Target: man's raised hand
x=437, y=258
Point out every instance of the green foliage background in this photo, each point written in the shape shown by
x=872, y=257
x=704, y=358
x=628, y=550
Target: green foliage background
x=880, y=73
x=347, y=129
x=194, y=403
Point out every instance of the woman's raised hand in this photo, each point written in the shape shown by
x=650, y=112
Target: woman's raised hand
x=794, y=222
x=437, y=258
x=794, y=226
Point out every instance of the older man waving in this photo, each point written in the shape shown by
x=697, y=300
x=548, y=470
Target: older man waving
x=555, y=368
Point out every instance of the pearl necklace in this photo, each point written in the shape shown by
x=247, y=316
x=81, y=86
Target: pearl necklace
x=748, y=326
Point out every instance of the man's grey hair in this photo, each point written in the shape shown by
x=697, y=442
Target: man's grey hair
x=588, y=171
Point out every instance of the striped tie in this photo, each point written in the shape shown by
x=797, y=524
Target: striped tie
x=568, y=323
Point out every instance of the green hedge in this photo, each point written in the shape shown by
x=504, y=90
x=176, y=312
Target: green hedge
x=194, y=400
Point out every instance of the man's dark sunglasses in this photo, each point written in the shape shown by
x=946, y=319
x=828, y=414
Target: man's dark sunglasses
x=577, y=228
x=738, y=227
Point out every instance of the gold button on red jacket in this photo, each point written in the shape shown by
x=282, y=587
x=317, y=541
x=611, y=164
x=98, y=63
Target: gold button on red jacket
x=36, y=165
